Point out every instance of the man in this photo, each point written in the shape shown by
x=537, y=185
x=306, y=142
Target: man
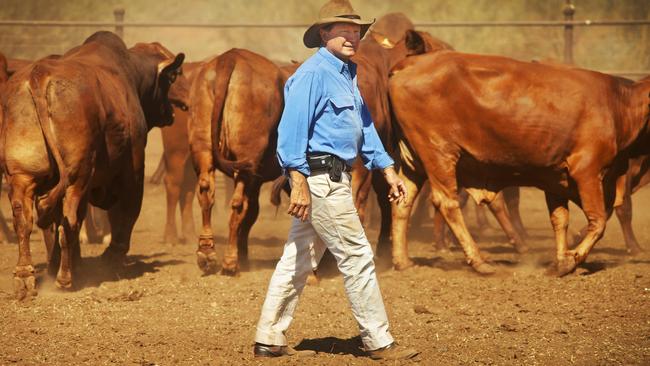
x=324, y=126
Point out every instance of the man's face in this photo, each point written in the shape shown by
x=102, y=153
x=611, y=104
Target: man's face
x=342, y=39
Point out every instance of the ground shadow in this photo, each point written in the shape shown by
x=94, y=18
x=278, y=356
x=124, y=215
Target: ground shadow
x=351, y=346
x=93, y=271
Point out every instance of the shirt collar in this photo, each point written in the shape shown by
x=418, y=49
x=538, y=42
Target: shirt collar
x=338, y=64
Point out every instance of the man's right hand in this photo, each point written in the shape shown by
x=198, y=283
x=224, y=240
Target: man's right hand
x=300, y=202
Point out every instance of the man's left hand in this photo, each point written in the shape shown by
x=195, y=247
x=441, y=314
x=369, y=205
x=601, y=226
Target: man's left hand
x=397, y=190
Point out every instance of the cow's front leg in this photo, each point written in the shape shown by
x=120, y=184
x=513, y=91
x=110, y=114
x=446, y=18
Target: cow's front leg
x=122, y=217
x=21, y=196
x=444, y=194
x=401, y=213
x=188, y=189
x=590, y=189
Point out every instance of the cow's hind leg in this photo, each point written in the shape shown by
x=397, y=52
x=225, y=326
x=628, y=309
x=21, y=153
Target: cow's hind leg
x=511, y=196
x=21, y=196
x=74, y=209
x=559, y=212
x=245, y=209
x=206, y=256
x=400, y=216
x=624, y=215
x=498, y=208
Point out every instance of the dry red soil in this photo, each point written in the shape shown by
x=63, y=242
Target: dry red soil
x=160, y=309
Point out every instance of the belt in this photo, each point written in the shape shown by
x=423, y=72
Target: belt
x=324, y=162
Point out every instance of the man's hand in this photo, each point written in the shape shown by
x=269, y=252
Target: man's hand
x=300, y=201
x=397, y=190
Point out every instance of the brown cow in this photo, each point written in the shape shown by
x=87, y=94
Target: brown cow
x=236, y=106
x=386, y=44
x=74, y=129
x=180, y=178
x=487, y=122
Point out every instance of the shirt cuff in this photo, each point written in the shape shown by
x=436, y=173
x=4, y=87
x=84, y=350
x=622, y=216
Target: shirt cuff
x=382, y=161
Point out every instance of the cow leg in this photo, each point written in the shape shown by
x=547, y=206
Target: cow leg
x=558, y=209
x=5, y=233
x=624, y=215
x=590, y=189
x=73, y=211
x=186, y=199
x=361, y=184
x=498, y=208
x=511, y=196
x=444, y=195
x=21, y=196
x=122, y=217
x=482, y=222
x=206, y=256
x=381, y=190
x=174, y=167
x=245, y=209
x=400, y=217
x=52, y=247
x=237, y=245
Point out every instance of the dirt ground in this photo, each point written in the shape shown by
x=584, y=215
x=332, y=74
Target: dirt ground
x=160, y=309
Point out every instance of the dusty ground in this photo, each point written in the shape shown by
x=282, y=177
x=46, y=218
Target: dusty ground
x=161, y=310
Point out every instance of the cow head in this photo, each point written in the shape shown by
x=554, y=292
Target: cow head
x=161, y=68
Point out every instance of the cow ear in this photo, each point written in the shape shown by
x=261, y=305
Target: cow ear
x=171, y=68
x=414, y=43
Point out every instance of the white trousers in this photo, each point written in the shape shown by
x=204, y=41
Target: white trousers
x=333, y=220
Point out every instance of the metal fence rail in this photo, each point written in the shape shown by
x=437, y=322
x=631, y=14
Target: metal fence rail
x=568, y=24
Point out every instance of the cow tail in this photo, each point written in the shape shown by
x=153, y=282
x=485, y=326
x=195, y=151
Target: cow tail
x=36, y=89
x=225, y=68
x=279, y=185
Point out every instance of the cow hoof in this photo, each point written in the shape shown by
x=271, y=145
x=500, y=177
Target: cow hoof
x=522, y=248
x=484, y=268
x=207, y=262
x=313, y=279
x=634, y=250
x=63, y=283
x=112, y=257
x=566, y=265
x=402, y=265
x=25, y=287
x=232, y=272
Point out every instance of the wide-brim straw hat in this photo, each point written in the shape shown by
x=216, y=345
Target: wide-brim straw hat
x=334, y=11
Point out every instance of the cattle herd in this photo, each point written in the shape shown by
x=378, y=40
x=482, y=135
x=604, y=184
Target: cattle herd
x=73, y=130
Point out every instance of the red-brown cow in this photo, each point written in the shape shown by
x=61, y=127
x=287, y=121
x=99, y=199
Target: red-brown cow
x=487, y=122
x=180, y=178
x=236, y=106
x=74, y=129
x=386, y=44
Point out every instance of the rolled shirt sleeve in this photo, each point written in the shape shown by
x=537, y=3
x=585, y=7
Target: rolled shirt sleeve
x=301, y=98
x=373, y=154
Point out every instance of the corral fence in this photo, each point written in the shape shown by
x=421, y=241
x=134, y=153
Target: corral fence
x=568, y=24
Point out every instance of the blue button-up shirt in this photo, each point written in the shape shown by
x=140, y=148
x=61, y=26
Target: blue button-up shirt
x=324, y=113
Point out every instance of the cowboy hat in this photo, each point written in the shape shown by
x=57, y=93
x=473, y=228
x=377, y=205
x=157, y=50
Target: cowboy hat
x=334, y=11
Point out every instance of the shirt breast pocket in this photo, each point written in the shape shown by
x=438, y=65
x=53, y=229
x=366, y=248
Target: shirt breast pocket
x=343, y=108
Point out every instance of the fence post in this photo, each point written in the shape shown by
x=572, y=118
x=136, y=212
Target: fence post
x=569, y=10
x=119, y=18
